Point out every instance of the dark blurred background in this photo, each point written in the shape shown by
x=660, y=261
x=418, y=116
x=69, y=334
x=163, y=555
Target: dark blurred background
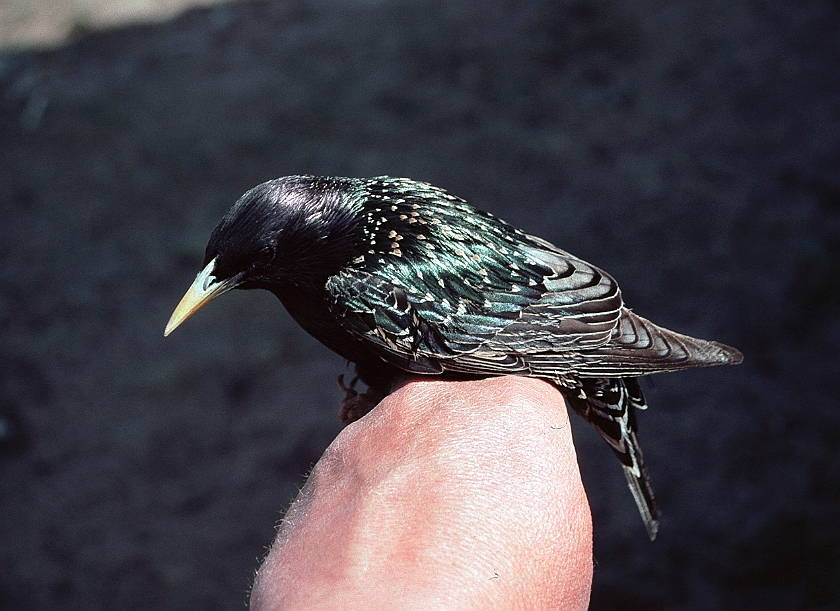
x=691, y=149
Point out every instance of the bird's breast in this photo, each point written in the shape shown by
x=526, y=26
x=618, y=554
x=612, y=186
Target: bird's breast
x=311, y=311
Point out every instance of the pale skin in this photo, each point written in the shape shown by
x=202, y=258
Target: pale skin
x=449, y=495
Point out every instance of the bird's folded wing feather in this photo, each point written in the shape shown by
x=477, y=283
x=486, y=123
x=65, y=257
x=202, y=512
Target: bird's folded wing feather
x=533, y=310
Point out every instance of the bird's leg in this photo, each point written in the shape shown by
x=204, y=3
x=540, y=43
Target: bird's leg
x=380, y=380
x=356, y=404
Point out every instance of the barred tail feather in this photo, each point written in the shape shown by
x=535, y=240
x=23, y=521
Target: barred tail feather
x=608, y=405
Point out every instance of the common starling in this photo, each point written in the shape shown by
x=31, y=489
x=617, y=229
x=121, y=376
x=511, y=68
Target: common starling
x=400, y=276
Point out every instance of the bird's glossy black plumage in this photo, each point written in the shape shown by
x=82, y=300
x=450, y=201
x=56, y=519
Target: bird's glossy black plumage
x=400, y=276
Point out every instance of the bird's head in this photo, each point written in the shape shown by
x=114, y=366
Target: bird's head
x=286, y=234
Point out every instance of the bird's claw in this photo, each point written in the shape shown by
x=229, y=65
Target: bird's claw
x=349, y=390
x=355, y=404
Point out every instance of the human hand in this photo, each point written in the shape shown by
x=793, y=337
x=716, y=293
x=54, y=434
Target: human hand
x=449, y=495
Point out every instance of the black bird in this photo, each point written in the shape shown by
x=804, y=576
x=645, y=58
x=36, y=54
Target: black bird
x=400, y=276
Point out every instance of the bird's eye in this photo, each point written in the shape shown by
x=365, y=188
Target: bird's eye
x=265, y=255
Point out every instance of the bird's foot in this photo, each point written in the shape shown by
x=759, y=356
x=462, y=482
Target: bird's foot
x=355, y=404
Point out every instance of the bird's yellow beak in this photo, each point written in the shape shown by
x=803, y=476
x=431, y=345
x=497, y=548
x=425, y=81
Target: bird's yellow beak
x=204, y=288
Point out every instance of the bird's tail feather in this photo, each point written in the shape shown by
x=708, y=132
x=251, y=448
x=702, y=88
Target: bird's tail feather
x=608, y=405
x=643, y=495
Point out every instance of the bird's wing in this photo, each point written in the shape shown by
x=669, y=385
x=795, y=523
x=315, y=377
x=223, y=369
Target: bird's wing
x=525, y=307
x=487, y=313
